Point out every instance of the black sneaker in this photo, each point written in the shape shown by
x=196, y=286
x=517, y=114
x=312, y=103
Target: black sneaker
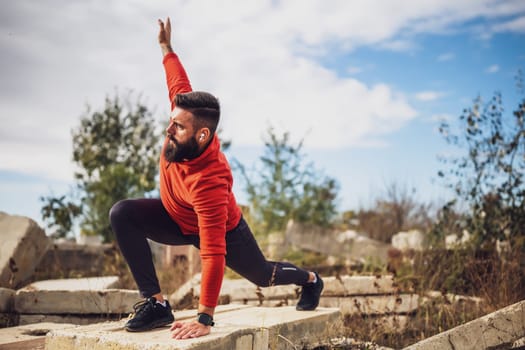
x=310, y=295
x=148, y=315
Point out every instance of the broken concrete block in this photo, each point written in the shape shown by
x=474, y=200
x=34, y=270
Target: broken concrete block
x=26, y=319
x=7, y=299
x=91, y=295
x=22, y=246
x=245, y=328
x=76, y=284
x=412, y=239
x=27, y=337
x=498, y=330
x=68, y=259
x=334, y=243
x=358, y=285
x=373, y=304
x=243, y=291
x=9, y=320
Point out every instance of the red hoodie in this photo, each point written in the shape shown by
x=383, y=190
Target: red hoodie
x=198, y=196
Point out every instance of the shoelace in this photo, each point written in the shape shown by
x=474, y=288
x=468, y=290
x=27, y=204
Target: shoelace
x=140, y=306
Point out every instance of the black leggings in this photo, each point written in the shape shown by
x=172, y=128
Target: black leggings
x=135, y=220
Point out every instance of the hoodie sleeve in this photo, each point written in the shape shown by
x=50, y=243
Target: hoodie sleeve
x=176, y=77
x=211, y=206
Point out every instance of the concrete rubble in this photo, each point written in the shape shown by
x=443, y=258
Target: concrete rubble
x=351, y=294
x=7, y=300
x=334, y=243
x=82, y=296
x=246, y=328
x=22, y=246
x=28, y=337
x=376, y=296
x=498, y=330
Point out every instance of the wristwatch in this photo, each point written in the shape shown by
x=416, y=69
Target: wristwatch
x=205, y=319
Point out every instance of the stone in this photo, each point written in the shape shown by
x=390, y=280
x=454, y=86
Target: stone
x=85, y=319
x=9, y=320
x=246, y=328
x=93, y=295
x=67, y=259
x=450, y=298
x=184, y=296
x=413, y=239
x=373, y=305
x=333, y=243
x=277, y=246
x=75, y=284
x=243, y=291
x=28, y=336
x=497, y=330
x=359, y=285
x=7, y=299
x=22, y=246
x=90, y=240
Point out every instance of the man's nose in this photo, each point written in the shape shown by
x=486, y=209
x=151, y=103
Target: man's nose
x=170, y=129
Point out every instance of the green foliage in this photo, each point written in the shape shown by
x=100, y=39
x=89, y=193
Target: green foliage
x=116, y=151
x=283, y=187
x=489, y=177
x=60, y=213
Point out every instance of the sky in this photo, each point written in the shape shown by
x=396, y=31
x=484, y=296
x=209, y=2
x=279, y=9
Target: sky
x=364, y=83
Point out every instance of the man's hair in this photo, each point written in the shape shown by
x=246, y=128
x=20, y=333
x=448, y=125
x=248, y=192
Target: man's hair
x=204, y=107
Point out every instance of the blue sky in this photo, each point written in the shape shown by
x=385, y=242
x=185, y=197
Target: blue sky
x=364, y=82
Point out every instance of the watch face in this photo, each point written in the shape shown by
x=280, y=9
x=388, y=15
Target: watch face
x=205, y=319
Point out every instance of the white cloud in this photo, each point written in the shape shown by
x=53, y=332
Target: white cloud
x=492, y=69
x=447, y=56
x=259, y=57
x=428, y=95
x=354, y=70
x=516, y=25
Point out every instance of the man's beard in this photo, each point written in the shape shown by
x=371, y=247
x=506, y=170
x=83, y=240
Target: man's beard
x=178, y=152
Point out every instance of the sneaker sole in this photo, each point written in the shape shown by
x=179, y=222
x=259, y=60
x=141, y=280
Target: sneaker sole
x=157, y=324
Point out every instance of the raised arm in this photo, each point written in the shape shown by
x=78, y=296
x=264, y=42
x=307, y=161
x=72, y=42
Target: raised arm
x=176, y=76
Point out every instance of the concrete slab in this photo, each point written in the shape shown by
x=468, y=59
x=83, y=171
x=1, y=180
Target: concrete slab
x=75, y=296
x=373, y=305
x=75, y=284
x=23, y=245
x=87, y=319
x=498, y=330
x=8, y=319
x=242, y=290
x=7, y=299
x=359, y=285
x=66, y=318
x=246, y=328
x=332, y=242
x=27, y=337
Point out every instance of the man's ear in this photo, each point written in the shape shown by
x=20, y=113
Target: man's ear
x=203, y=135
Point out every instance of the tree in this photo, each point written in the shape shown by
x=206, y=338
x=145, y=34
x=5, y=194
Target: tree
x=283, y=187
x=489, y=177
x=396, y=210
x=117, y=152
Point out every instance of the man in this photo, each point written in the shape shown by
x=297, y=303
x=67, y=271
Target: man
x=197, y=207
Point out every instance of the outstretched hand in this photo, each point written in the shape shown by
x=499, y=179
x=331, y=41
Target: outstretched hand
x=165, y=32
x=186, y=330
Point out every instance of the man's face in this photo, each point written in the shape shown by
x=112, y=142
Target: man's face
x=182, y=144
